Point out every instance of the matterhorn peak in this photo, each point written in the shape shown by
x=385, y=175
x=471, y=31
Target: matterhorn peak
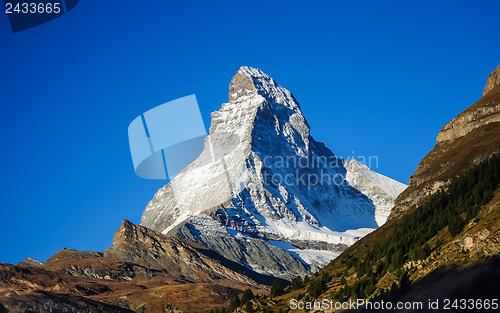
x=242, y=83
x=249, y=81
x=264, y=193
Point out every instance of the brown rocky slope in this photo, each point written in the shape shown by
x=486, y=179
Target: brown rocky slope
x=466, y=140
x=143, y=271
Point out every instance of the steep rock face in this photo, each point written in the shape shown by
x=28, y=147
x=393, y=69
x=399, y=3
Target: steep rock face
x=482, y=113
x=181, y=258
x=262, y=181
x=493, y=80
x=258, y=254
x=143, y=271
x=469, y=138
x=30, y=262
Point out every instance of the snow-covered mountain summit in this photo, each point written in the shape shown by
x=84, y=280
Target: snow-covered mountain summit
x=264, y=193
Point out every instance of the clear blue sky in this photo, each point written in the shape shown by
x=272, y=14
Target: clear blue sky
x=377, y=77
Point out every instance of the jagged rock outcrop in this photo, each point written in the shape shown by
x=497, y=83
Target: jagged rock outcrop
x=41, y=289
x=30, y=262
x=493, y=80
x=179, y=258
x=262, y=182
x=469, y=138
x=484, y=112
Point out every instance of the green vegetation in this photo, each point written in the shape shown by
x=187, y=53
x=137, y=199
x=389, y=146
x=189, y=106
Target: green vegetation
x=306, y=280
x=245, y=300
x=235, y=303
x=318, y=285
x=247, y=296
x=276, y=288
x=297, y=283
x=409, y=240
x=361, y=289
x=343, y=281
x=456, y=225
x=249, y=307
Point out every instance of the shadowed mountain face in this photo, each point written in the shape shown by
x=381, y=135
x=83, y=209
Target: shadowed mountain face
x=142, y=271
x=264, y=193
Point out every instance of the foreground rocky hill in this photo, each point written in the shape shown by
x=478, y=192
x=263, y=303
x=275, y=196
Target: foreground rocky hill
x=143, y=271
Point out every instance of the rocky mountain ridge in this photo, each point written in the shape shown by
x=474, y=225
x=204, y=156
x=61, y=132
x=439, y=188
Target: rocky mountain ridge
x=493, y=80
x=466, y=140
x=482, y=113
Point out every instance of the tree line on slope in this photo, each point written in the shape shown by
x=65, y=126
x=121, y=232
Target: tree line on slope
x=452, y=207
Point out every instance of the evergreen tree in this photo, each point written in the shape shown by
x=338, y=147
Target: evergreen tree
x=306, y=279
x=343, y=281
x=276, y=288
x=249, y=307
x=235, y=303
x=456, y=225
x=297, y=283
x=404, y=282
x=315, y=289
x=247, y=296
x=427, y=250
